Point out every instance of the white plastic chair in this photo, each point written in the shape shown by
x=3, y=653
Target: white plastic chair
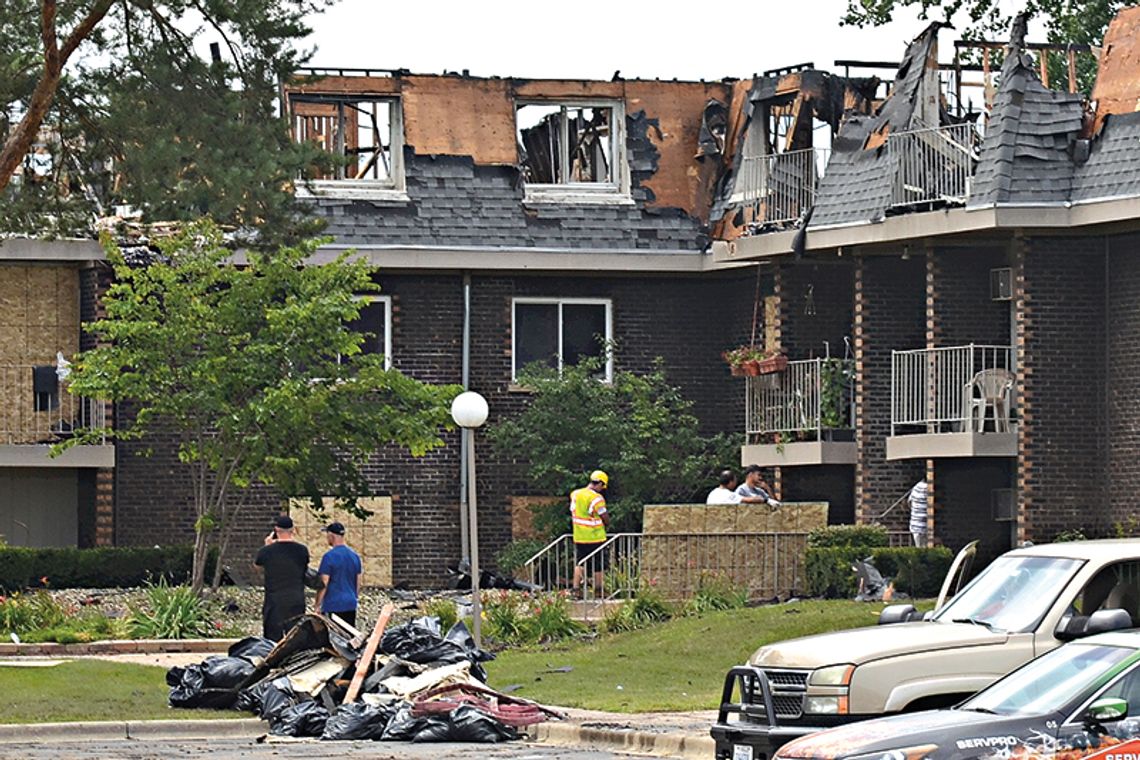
x=988, y=389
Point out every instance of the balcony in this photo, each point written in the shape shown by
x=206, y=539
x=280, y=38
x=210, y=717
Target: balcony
x=37, y=411
x=952, y=402
x=933, y=166
x=780, y=186
x=801, y=416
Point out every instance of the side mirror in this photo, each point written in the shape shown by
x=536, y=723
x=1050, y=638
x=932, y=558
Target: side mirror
x=898, y=613
x=1071, y=627
x=1108, y=620
x=1107, y=709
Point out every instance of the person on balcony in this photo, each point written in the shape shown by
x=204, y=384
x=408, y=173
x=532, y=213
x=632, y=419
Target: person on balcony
x=754, y=489
x=589, y=517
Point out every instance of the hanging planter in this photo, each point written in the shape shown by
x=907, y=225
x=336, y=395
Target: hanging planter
x=772, y=364
x=749, y=361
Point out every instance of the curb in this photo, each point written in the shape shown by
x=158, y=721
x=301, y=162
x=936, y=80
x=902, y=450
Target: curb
x=115, y=646
x=667, y=744
x=112, y=730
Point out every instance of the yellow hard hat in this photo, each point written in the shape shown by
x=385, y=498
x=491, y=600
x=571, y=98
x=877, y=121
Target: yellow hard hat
x=601, y=477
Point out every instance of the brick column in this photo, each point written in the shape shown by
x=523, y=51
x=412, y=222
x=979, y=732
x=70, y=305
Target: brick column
x=889, y=315
x=105, y=507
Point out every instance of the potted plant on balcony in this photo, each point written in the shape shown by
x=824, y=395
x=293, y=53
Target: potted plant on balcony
x=744, y=361
x=773, y=361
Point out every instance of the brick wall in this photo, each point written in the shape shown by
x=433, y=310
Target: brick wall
x=830, y=483
x=1123, y=466
x=97, y=488
x=1061, y=352
x=889, y=315
x=962, y=510
x=688, y=321
x=817, y=300
x=960, y=308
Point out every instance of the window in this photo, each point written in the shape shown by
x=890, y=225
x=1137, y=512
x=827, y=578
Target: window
x=559, y=331
x=364, y=135
x=572, y=151
x=374, y=320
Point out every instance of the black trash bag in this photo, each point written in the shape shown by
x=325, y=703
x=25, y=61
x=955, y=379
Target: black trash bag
x=343, y=646
x=188, y=689
x=420, y=641
x=226, y=672
x=403, y=726
x=466, y=724
x=304, y=719
x=277, y=698
x=249, y=698
x=459, y=578
x=251, y=648
x=357, y=720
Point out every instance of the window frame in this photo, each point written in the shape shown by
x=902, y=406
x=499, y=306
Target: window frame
x=617, y=191
x=387, y=301
x=394, y=188
x=560, y=302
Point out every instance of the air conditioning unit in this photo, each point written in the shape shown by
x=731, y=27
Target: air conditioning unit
x=1001, y=284
x=1004, y=504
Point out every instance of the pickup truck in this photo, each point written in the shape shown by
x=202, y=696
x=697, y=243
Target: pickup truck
x=1025, y=603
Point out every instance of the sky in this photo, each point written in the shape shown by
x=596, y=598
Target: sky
x=591, y=39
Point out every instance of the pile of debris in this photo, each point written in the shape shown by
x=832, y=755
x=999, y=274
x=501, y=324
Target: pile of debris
x=410, y=683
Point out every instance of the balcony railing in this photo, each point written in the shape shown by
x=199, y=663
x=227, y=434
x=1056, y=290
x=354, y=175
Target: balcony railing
x=951, y=390
x=781, y=185
x=36, y=408
x=811, y=395
x=934, y=164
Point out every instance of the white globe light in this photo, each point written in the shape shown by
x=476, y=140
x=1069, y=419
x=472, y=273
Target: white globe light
x=469, y=409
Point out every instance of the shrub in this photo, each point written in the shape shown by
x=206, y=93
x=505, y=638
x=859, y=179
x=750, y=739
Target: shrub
x=716, y=591
x=170, y=612
x=503, y=618
x=917, y=572
x=515, y=554
x=104, y=567
x=512, y=617
x=444, y=609
x=645, y=609
x=551, y=620
x=21, y=613
x=848, y=536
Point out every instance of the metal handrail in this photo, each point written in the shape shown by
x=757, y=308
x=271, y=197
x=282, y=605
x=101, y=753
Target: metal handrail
x=932, y=389
x=48, y=417
x=792, y=401
x=781, y=185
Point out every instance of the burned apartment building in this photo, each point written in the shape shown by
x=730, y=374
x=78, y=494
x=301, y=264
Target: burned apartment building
x=953, y=286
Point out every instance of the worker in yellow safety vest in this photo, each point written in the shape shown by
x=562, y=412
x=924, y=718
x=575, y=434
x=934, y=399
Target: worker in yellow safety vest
x=589, y=517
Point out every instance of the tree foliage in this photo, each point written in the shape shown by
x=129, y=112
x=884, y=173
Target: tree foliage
x=639, y=429
x=129, y=103
x=1066, y=21
x=256, y=371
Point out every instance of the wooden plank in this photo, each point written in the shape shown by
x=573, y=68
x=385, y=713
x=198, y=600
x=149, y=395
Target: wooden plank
x=365, y=660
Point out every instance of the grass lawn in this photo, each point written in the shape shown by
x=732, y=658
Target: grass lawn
x=679, y=665
x=90, y=690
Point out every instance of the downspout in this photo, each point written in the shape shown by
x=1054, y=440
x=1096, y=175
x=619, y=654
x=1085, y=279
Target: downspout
x=464, y=538
x=1107, y=386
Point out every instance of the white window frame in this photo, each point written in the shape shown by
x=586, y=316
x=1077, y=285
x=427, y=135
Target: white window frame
x=616, y=192
x=606, y=302
x=387, y=301
x=394, y=188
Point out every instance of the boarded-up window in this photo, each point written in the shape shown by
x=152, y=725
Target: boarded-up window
x=371, y=538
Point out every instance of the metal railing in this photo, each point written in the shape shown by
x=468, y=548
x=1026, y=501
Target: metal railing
x=953, y=389
x=676, y=565
x=43, y=412
x=809, y=396
x=933, y=164
x=781, y=185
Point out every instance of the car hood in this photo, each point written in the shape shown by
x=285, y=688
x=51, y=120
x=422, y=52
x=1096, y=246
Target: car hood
x=860, y=645
x=954, y=732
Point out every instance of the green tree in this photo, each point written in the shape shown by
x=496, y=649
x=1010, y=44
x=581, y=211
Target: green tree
x=256, y=371
x=639, y=429
x=133, y=108
x=1066, y=21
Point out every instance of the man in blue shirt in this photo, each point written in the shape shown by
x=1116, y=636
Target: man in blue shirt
x=341, y=570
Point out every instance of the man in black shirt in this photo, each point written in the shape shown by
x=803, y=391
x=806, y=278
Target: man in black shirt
x=284, y=561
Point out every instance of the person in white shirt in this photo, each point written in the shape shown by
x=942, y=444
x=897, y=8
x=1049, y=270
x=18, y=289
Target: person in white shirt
x=755, y=486
x=725, y=493
x=919, y=501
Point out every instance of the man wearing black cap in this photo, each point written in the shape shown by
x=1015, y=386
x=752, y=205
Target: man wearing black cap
x=284, y=560
x=340, y=570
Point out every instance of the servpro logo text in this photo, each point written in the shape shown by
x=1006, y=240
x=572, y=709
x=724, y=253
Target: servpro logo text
x=1129, y=750
x=987, y=742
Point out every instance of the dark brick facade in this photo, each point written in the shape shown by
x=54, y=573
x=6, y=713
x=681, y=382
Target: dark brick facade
x=830, y=483
x=960, y=309
x=889, y=315
x=96, y=488
x=1123, y=466
x=1062, y=356
x=962, y=508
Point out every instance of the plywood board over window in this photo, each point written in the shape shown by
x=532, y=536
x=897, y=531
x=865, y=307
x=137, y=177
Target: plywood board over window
x=522, y=514
x=371, y=538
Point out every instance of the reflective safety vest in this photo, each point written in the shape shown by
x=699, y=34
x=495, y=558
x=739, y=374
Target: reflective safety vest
x=586, y=509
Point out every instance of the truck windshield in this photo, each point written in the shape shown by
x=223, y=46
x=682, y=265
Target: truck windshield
x=1050, y=682
x=1012, y=594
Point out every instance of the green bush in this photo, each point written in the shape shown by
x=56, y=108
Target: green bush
x=514, y=617
x=836, y=536
x=105, y=567
x=515, y=554
x=716, y=591
x=917, y=572
x=645, y=609
x=170, y=612
x=21, y=613
x=443, y=608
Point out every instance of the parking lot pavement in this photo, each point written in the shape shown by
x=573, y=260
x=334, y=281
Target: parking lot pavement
x=243, y=749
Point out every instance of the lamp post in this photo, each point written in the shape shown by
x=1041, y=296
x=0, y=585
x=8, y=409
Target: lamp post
x=469, y=410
